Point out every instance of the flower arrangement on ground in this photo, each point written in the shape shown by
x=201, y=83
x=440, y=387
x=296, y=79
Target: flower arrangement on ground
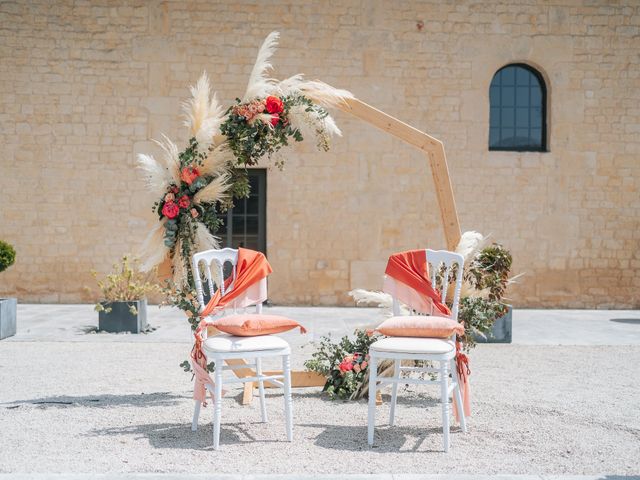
x=345, y=364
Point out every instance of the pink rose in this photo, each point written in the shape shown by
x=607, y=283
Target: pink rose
x=363, y=365
x=194, y=213
x=184, y=201
x=169, y=197
x=356, y=368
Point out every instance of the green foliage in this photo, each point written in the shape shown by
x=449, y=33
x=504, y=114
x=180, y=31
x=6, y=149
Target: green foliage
x=251, y=140
x=345, y=364
x=478, y=314
x=7, y=255
x=489, y=270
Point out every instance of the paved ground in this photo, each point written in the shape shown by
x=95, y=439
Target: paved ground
x=561, y=403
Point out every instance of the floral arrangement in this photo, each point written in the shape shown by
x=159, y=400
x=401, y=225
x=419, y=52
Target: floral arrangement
x=7, y=255
x=345, y=364
x=195, y=185
x=125, y=284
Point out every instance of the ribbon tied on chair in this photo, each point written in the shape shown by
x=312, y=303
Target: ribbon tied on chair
x=251, y=268
x=407, y=279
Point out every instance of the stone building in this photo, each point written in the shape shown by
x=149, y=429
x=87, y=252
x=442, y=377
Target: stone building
x=86, y=84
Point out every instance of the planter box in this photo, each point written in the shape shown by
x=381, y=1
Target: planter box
x=120, y=318
x=501, y=331
x=8, y=309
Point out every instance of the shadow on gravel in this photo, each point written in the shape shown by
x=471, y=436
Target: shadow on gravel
x=387, y=439
x=420, y=399
x=179, y=435
x=158, y=399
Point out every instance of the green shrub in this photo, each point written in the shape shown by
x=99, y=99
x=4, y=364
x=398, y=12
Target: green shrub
x=7, y=255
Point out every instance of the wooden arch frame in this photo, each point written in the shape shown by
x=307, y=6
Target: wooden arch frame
x=434, y=150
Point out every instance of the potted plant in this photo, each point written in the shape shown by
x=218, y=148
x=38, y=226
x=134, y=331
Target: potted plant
x=124, y=304
x=8, y=306
x=487, y=318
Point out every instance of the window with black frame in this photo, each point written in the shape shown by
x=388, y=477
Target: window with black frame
x=245, y=223
x=517, y=118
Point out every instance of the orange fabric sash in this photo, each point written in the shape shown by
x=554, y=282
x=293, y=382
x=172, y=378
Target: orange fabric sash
x=411, y=269
x=251, y=268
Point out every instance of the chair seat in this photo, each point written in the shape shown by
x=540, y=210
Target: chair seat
x=233, y=344
x=413, y=345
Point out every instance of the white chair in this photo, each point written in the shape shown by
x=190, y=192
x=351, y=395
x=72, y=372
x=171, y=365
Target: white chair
x=224, y=347
x=434, y=350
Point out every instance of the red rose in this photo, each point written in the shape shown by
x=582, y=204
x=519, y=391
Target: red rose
x=184, y=201
x=189, y=174
x=274, y=104
x=275, y=118
x=345, y=366
x=170, y=210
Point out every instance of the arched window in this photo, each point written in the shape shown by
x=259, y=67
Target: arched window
x=517, y=120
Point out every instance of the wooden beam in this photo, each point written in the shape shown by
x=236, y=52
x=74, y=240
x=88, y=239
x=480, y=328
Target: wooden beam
x=299, y=379
x=434, y=150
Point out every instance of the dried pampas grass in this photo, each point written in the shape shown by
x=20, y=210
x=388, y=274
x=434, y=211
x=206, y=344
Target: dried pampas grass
x=203, y=114
x=214, y=192
x=170, y=158
x=178, y=267
x=259, y=84
x=204, y=239
x=155, y=176
x=153, y=249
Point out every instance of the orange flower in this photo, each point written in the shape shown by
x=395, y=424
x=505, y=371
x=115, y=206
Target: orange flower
x=189, y=174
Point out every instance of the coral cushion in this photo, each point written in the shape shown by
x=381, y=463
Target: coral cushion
x=251, y=325
x=431, y=326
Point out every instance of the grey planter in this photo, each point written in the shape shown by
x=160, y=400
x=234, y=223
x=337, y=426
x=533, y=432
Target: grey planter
x=501, y=331
x=120, y=318
x=8, y=310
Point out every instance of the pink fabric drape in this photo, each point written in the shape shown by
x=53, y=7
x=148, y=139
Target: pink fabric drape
x=408, y=280
x=248, y=289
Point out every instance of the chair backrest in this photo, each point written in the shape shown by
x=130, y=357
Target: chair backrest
x=449, y=268
x=212, y=264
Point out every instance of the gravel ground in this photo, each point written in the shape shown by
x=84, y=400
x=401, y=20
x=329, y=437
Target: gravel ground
x=121, y=407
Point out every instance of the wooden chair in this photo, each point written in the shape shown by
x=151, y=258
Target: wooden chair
x=435, y=350
x=220, y=348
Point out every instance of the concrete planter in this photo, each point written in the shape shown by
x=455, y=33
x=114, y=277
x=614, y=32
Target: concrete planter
x=8, y=310
x=501, y=331
x=120, y=318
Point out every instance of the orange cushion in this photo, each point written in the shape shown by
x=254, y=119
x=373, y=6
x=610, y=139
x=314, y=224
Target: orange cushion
x=251, y=325
x=431, y=326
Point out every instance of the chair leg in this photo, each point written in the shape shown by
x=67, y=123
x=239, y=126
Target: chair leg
x=394, y=391
x=263, y=405
x=196, y=414
x=217, y=406
x=457, y=396
x=444, y=398
x=288, y=403
x=373, y=378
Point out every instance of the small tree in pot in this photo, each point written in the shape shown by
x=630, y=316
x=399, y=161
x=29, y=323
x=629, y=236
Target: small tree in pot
x=124, y=304
x=8, y=306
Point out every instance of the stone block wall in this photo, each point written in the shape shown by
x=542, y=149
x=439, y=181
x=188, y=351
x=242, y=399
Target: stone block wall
x=85, y=85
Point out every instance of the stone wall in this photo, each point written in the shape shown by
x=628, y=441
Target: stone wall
x=84, y=85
